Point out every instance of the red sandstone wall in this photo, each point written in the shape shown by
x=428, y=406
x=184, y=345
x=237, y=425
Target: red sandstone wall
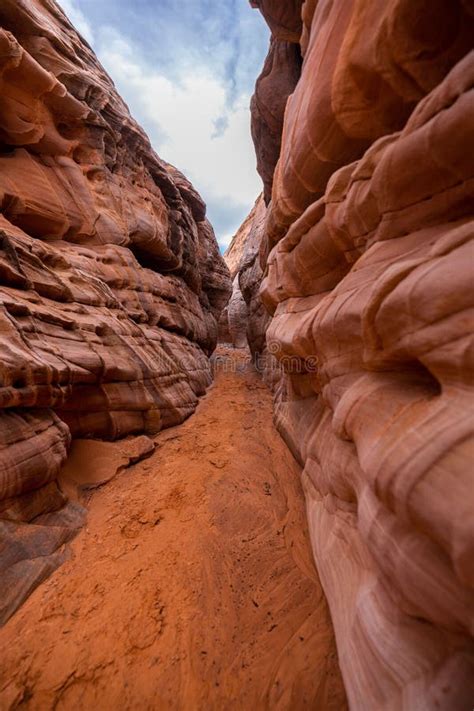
x=368, y=262
x=111, y=283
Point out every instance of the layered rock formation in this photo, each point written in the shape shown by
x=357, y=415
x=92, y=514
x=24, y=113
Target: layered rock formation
x=250, y=276
x=245, y=320
x=233, y=320
x=276, y=82
x=234, y=317
x=368, y=266
x=111, y=283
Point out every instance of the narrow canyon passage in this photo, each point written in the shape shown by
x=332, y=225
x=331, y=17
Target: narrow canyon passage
x=192, y=585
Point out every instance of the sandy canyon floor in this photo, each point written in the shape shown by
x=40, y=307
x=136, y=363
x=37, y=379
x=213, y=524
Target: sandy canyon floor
x=192, y=585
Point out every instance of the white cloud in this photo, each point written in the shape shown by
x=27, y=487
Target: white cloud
x=225, y=241
x=78, y=19
x=180, y=117
x=188, y=118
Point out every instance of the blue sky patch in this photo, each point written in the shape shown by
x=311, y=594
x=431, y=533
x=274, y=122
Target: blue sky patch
x=187, y=71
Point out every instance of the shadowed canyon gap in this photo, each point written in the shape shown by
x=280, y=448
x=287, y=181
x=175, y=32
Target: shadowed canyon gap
x=351, y=281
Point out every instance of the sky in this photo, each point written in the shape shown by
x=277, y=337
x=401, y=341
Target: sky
x=187, y=71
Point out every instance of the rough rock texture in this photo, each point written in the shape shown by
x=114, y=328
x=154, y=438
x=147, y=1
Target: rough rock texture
x=237, y=316
x=283, y=18
x=244, y=319
x=92, y=463
x=233, y=319
x=369, y=276
x=276, y=82
x=278, y=79
x=250, y=277
x=200, y=591
x=111, y=283
x=365, y=68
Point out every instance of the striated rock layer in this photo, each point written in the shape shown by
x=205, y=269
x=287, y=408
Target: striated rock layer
x=277, y=81
x=235, y=316
x=367, y=253
x=233, y=319
x=111, y=283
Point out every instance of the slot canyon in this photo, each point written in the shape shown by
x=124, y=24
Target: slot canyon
x=241, y=481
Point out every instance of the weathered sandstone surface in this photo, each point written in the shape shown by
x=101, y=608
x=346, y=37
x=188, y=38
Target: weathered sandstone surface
x=111, y=283
x=277, y=81
x=236, y=314
x=244, y=320
x=233, y=319
x=368, y=262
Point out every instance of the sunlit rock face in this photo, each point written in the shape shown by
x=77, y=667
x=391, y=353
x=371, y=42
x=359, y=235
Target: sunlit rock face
x=367, y=255
x=111, y=283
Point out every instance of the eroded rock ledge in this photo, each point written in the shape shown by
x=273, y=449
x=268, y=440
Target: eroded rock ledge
x=111, y=283
x=367, y=255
